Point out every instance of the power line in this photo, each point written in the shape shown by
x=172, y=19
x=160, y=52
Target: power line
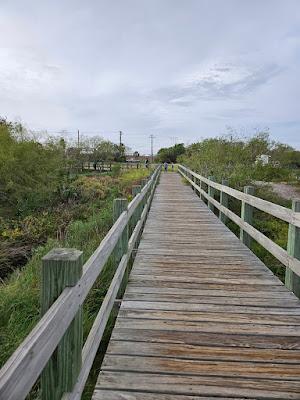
x=152, y=137
x=174, y=139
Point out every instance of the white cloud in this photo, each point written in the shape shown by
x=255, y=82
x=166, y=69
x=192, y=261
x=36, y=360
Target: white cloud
x=171, y=68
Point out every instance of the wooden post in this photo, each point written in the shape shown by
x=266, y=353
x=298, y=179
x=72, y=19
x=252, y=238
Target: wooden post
x=201, y=187
x=61, y=268
x=192, y=179
x=247, y=216
x=144, y=182
x=292, y=280
x=223, y=201
x=135, y=190
x=120, y=205
x=211, y=193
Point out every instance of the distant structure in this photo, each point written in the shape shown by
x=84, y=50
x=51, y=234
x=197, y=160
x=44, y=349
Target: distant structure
x=263, y=159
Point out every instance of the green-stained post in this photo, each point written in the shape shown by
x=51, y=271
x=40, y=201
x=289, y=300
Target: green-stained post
x=135, y=190
x=61, y=268
x=292, y=280
x=247, y=216
x=224, y=201
x=211, y=193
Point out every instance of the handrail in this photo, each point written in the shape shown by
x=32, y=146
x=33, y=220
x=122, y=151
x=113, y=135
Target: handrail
x=280, y=212
x=276, y=210
x=25, y=365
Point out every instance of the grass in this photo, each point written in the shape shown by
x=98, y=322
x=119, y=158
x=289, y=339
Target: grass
x=20, y=293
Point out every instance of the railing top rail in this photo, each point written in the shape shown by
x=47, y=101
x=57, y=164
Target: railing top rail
x=46, y=335
x=268, y=207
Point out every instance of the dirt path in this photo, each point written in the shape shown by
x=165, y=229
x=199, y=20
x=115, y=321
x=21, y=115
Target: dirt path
x=284, y=190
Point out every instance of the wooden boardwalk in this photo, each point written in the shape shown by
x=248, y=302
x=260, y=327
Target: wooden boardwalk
x=202, y=317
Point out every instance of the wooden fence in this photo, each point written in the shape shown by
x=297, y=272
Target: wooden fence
x=289, y=258
x=54, y=347
x=107, y=166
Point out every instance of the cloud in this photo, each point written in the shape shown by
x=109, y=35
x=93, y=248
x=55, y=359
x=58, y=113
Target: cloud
x=170, y=68
x=219, y=82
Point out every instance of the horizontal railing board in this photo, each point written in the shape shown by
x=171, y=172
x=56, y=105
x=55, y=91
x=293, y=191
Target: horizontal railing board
x=34, y=352
x=277, y=251
x=276, y=210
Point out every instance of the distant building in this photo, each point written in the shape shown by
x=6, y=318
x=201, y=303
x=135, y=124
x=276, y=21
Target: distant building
x=263, y=159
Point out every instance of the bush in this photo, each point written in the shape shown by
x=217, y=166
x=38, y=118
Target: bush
x=91, y=187
x=30, y=173
x=116, y=170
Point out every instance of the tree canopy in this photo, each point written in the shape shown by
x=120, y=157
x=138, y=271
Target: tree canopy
x=170, y=154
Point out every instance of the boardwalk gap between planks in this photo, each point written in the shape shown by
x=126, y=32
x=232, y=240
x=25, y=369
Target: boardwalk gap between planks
x=202, y=316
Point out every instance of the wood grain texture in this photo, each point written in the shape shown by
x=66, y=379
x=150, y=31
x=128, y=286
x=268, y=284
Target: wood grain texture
x=202, y=317
x=62, y=268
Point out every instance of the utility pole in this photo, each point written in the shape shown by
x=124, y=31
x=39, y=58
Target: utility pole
x=121, y=133
x=78, y=138
x=152, y=137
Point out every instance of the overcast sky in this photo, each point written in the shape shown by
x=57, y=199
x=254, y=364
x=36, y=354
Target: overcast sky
x=184, y=69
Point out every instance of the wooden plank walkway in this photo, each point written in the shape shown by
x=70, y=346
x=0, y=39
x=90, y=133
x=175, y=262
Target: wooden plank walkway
x=202, y=317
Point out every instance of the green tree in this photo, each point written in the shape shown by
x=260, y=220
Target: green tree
x=170, y=154
x=30, y=172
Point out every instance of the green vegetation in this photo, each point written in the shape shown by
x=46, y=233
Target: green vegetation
x=170, y=154
x=237, y=160
x=42, y=189
x=42, y=206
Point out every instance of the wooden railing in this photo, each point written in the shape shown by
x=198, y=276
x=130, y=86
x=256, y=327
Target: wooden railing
x=289, y=258
x=107, y=166
x=54, y=347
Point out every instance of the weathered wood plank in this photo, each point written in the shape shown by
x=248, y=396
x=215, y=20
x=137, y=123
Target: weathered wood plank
x=100, y=394
x=202, y=316
x=191, y=385
x=185, y=351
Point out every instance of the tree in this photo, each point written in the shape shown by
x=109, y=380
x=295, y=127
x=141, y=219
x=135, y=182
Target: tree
x=170, y=154
x=30, y=172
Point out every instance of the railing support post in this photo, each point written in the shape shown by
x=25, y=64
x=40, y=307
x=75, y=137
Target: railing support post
x=201, y=187
x=247, y=216
x=224, y=201
x=144, y=182
x=135, y=190
x=61, y=268
x=119, y=206
x=292, y=281
x=211, y=193
x=194, y=180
